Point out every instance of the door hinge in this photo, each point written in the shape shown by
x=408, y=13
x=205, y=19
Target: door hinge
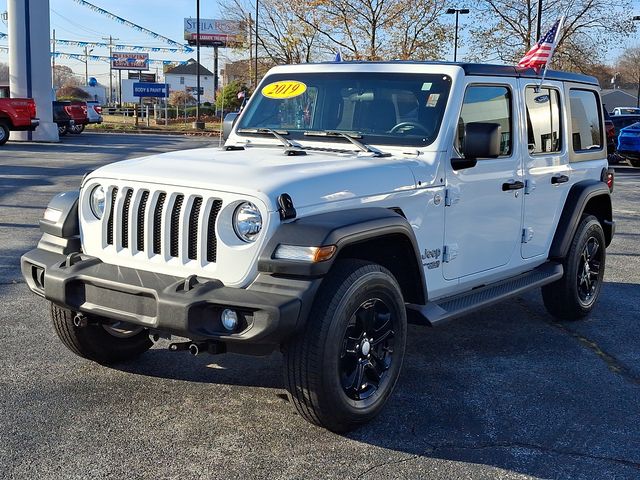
x=449, y=252
x=529, y=186
x=527, y=234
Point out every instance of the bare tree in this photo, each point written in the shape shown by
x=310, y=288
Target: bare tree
x=282, y=37
x=63, y=75
x=379, y=29
x=506, y=29
x=629, y=64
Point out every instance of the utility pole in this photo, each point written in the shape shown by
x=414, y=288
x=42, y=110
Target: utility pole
x=53, y=60
x=111, y=39
x=538, y=31
x=86, y=64
x=255, y=67
x=250, y=49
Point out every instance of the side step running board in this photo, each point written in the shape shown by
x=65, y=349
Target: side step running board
x=447, y=308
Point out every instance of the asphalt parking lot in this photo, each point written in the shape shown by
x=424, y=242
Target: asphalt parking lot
x=505, y=393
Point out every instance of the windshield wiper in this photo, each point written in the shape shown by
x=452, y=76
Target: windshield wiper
x=292, y=148
x=352, y=138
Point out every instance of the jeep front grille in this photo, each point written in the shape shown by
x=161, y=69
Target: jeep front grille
x=174, y=221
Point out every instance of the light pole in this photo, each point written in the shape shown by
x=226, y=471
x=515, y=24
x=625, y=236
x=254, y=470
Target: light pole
x=456, y=11
x=198, y=124
x=86, y=65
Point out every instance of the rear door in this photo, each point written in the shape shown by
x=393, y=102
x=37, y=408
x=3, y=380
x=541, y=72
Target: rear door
x=546, y=167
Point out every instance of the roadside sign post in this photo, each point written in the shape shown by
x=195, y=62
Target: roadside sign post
x=148, y=89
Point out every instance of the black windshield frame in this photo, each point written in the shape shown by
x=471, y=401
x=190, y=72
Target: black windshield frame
x=354, y=103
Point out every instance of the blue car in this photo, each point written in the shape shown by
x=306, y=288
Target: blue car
x=629, y=143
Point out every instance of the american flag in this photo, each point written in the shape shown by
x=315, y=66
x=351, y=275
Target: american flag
x=540, y=54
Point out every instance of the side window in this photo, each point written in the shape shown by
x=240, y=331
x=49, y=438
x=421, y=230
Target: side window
x=181, y=80
x=543, y=120
x=586, y=131
x=487, y=104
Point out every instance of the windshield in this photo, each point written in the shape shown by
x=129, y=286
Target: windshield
x=378, y=108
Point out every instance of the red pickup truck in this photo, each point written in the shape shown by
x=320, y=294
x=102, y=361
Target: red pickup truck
x=16, y=114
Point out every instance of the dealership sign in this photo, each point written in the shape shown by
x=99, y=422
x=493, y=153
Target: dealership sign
x=129, y=61
x=214, y=33
x=144, y=89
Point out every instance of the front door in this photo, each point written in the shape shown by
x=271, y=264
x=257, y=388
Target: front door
x=483, y=213
x=546, y=167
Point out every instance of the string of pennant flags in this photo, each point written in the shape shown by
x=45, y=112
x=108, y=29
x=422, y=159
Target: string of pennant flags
x=123, y=21
x=117, y=46
x=100, y=58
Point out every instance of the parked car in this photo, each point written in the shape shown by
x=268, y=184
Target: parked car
x=620, y=122
x=94, y=112
x=629, y=144
x=17, y=114
x=79, y=112
x=348, y=197
x=62, y=118
x=610, y=130
x=626, y=111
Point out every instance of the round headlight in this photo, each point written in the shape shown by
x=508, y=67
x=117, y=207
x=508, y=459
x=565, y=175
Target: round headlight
x=96, y=201
x=247, y=222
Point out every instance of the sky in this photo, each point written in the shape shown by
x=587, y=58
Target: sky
x=72, y=21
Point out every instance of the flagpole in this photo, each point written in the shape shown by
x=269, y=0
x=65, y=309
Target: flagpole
x=553, y=49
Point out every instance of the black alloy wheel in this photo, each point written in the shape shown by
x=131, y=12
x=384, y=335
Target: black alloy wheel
x=367, y=350
x=589, y=270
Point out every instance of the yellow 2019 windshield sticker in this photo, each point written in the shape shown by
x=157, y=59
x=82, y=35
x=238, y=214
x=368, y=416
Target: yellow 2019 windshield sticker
x=284, y=89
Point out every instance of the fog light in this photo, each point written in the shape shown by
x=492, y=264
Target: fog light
x=229, y=319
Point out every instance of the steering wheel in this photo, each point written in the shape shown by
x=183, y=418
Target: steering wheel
x=403, y=125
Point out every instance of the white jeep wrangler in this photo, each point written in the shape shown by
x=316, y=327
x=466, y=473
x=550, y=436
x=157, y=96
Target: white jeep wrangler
x=349, y=198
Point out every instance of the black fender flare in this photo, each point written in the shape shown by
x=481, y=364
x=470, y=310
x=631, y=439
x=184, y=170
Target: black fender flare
x=341, y=228
x=579, y=196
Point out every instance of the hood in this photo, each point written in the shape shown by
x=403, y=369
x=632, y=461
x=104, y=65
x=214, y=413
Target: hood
x=315, y=178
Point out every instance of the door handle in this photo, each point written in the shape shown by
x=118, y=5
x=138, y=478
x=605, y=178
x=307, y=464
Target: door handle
x=559, y=179
x=512, y=185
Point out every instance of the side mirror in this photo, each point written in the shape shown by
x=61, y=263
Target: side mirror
x=481, y=140
x=228, y=123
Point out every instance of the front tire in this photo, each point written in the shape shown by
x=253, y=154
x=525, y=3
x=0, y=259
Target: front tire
x=62, y=130
x=343, y=367
x=99, y=342
x=575, y=294
x=76, y=129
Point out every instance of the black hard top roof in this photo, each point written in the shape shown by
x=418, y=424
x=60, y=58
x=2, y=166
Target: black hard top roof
x=485, y=69
x=514, y=71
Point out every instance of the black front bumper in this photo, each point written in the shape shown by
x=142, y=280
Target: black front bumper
x=269, y=310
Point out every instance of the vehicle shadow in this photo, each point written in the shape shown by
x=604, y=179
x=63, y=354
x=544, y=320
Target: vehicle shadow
x=507, y=387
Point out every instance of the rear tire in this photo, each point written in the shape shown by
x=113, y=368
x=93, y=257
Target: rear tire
x=94, y=341
x=4, y=133
x=76, y=129
x=575, y=294
x=62, y=130
x=343, y=367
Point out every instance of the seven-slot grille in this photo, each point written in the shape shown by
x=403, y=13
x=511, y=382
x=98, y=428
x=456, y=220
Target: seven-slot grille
x=159, y=223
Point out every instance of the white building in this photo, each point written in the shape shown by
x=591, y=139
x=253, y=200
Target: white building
x=184, y=78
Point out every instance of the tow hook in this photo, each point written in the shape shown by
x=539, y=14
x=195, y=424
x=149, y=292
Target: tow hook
x=80, y=321
x=196, y=348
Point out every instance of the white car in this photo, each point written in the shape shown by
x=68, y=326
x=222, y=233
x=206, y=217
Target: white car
x=349, y=198
x=626, y=111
